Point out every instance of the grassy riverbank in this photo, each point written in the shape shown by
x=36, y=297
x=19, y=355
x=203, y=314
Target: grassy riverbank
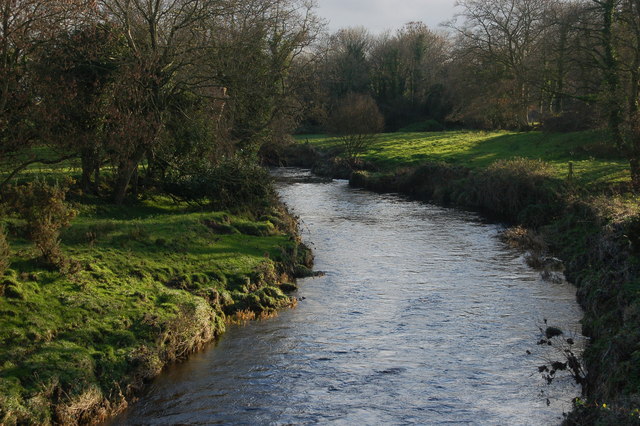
x=593, y=161
x=571, y=190
x=155, y=282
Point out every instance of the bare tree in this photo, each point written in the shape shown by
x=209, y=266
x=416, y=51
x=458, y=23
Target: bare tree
x=356, y=120
x=505, y=34
x=630, y=51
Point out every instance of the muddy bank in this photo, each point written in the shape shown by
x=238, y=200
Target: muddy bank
x=598, y=240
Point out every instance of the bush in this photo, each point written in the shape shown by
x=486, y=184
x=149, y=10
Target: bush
x=519, y=189
x=258, y=229
x=43, y=208
x=5, y=252
x=232, y=184
x=423, y=126
x=570, y=121
x=355, y=120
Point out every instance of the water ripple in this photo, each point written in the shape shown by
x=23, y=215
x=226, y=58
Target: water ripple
x=423, y=317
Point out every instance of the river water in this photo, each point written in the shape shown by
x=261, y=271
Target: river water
x=423, y=317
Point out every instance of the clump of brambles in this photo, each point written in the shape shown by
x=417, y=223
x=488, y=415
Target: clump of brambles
x=45, y=213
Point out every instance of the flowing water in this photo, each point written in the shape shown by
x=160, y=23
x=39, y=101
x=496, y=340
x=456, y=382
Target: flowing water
x=423, y=317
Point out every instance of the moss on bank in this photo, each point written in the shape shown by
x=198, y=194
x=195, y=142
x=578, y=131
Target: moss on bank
x=597, y=235
x=157, y=281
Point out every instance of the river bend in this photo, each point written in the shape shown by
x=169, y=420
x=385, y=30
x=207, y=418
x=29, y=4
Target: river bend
x=423, y=317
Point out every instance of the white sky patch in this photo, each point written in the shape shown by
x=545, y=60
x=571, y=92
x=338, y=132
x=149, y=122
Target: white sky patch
x=381, y=15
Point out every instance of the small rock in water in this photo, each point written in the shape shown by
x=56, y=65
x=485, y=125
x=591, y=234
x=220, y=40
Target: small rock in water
x=552, y=332
x=552, y=276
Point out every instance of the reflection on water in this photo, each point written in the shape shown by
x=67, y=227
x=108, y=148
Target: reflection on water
x=423, y=317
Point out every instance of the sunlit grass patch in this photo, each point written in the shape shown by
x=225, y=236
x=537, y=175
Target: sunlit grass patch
x=156, y=281
x=589, y=154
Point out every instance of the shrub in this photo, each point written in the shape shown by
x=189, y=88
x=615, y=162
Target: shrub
x=258, y=229
x=356, y=120
x=234, y=183
x=424, y=126
x=46, y=213
x=5, y=252
x=518, y=189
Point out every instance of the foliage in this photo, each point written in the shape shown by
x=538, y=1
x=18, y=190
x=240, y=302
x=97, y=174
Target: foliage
x=518, y=188
x=356, y=120
x=234, y=183
x=423, y=126
x=401, y=71
x=5, y=252
x=75, y=74
x=43, y=208
x=125, y=85
x=27, y=26
x=569, y=121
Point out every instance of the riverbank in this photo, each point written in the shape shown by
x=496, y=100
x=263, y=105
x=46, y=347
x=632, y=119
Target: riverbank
x=566, y=188
x=155, y=282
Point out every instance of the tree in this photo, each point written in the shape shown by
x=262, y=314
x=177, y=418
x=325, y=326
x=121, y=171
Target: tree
x=75, y=72
x=355, y=120
x=630, y=51
x=609, y=64
x=166, y=42
x=189, y=49
x=504, y=36
x=253, y=56
x=26, y=27
x=347, y=67
x=407, y=75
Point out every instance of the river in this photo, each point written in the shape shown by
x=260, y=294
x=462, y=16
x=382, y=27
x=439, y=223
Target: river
x=423, y=317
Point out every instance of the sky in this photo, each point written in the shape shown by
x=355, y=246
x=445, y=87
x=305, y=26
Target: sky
x=381, y=15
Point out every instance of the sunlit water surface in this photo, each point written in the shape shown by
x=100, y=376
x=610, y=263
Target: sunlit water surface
x=423, y=317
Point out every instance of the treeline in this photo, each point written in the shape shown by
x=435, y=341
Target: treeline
x=147, y=91
x=164, y=91
x=563, y=65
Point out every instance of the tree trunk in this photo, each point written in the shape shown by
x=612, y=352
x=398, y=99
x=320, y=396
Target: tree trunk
x=634, y=97
x=634, y=165
x=558, y=99
x=96, y=180
x=611, y=71
x=126, y=170
x=88, y=165
x=135, y=179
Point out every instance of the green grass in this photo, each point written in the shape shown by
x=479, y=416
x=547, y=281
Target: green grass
x=153, y=277
x=594, y=161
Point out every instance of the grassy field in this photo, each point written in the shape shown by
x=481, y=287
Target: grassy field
x=156, y=281
x=594, y=161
